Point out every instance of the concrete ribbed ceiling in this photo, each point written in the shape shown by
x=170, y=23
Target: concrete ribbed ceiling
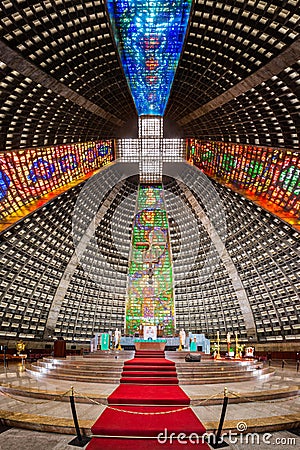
x=61, y=81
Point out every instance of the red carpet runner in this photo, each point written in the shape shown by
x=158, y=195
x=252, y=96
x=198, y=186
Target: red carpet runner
x=148, y=410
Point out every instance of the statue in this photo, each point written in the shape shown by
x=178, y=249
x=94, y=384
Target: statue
x=182, y=337
x=237, y=346
x=20, y=346
x=117, y=338
x=228, y=343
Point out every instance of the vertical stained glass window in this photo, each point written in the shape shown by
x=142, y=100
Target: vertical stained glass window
x=150, y=280
x=149, y=36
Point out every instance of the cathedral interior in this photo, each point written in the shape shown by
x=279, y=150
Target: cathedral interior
x=150, y=171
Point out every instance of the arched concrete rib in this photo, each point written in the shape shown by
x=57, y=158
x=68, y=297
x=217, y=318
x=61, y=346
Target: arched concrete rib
x=227, y=261
x=74, y=262
x=108, y=179
x=189, y=177
x=16, y=62
x=285, y=59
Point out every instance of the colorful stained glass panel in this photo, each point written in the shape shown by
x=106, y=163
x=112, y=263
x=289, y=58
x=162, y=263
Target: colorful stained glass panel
x=149, y=36
x=27, y=175
x=150, y=280
x=262, y=172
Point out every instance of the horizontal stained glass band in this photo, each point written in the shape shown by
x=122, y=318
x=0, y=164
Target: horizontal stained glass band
x=26, y=175
x=268, y=173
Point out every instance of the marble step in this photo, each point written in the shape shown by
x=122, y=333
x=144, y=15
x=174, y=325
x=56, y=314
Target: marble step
x=100, y=366
x=87, y=378
x=103, y=365
x=102, y=374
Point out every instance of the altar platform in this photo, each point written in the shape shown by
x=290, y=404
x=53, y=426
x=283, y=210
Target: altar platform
x=172, y=343
x=264, y=401
x=150, y=345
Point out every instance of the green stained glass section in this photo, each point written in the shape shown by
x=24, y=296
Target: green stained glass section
x=255, y=169
x=290, y=179
x=150, y=297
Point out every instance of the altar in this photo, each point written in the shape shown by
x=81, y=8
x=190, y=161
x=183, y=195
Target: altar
x=151, y=345
x=150, y=340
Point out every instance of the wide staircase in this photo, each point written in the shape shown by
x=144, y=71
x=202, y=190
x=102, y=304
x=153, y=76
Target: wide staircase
x=147, y=410
x=150, y=367
x=210, y=371
x=99, y=367
x=141, y=383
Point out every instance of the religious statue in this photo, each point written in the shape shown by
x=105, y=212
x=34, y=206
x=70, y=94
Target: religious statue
x=20, y=346
x=193, y=344
x=182, y=337
x=228, y=343
x=159, y=330
x=117, y=337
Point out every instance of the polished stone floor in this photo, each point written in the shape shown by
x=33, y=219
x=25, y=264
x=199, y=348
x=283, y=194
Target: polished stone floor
x=16, y=439
x=16, y=377
x=282, y=411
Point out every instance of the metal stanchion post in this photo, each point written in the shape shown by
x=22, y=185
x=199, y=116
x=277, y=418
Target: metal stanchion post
x=297, y=366
x=4, y=358
x=79, y=441
x=282, y=364
x=218, y=442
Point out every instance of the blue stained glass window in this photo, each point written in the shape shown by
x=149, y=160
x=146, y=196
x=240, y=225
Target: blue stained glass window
x=149, y=35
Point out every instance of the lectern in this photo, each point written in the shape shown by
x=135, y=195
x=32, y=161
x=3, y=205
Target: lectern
x=60, y=350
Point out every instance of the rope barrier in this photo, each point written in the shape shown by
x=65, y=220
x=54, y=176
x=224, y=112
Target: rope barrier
x=207, y=399
x=238, y=395
x=158, y=413
x=197, y=404
x=55, y=399
x=285, y=363
x=78, y=394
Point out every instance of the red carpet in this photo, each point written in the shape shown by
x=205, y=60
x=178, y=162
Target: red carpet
x=149, y=368
x=151, y=380
x=153, y=395
x=151, y=405
x=143, y=444
x=114, y=422
x=157, y=368
x=150, y=361
x=161, y=373
x=149, y=353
